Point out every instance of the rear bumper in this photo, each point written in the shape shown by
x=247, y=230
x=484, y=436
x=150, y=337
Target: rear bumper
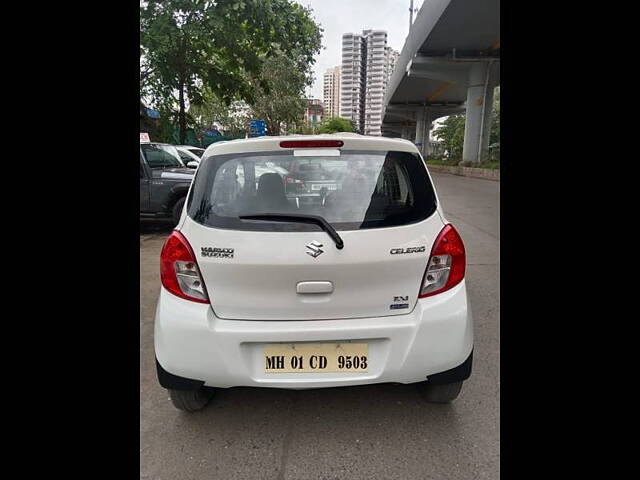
x=175, y=382
x=194, y=347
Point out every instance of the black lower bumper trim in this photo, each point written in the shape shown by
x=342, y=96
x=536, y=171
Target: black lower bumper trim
x=457, y=374
x=175, y=382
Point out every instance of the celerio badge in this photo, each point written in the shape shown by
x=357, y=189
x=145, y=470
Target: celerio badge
x=399, y=251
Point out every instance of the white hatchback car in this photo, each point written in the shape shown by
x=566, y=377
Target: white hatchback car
x=188, y=156
x=308, y=262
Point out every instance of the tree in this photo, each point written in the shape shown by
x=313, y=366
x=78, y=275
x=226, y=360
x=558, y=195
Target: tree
x=494, y=137
x=190, y=45
x=337, y=124
x=451, y=134
x=279, y=93
x=213, y=112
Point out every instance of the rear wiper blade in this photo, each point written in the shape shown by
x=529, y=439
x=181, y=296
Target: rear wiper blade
x=285, y=217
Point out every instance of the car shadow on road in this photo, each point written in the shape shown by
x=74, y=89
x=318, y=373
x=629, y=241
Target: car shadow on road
x=392, y=409
x=151, y=226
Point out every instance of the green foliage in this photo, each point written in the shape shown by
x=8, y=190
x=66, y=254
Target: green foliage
x=166, y=129
x=189, y=45
x=337, y=124
x=451, y=133
x=494, y=138
x=441, y=161
x=453, y=163
x=304, y=129
x=492, y=165
x=279, y=93
x=233, y=117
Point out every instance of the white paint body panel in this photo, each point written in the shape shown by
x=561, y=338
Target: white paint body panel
x=254, y=298
x=259, y=283
x=191, y=341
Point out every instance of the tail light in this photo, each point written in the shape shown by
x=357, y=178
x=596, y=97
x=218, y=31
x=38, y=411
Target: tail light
x=179, y=271
x=446, y=263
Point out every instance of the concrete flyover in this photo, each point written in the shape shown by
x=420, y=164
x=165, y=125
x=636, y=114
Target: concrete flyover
x=450, y=63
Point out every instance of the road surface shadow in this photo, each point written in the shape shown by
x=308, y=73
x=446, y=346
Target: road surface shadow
x=339, y=408
x=150, y=226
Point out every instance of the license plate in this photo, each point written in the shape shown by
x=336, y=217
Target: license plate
x=316, y=357
x=329, y=186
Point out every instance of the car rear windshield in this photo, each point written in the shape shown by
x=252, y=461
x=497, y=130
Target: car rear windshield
x=355, y=190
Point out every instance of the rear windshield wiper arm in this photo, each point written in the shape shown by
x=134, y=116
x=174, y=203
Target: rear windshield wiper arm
x=314, y=219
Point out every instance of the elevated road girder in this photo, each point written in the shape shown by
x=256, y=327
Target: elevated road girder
x=450, y=63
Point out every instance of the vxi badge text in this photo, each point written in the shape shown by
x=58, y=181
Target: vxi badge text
x=217, y=252
x=399, y=298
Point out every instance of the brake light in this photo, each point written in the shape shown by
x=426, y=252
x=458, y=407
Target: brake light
x=446, y=264
x=311, y=143
x=179, y=271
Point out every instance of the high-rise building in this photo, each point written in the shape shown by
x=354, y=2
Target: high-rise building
x=352, y=79
x=367, y=64
x=331, y=92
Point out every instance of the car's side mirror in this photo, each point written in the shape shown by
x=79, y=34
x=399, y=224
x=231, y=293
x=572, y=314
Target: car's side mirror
x=192, y=164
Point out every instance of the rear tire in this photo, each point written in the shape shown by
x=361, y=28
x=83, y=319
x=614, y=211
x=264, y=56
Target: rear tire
x=190, y=400
x=443, y=393
x=177, y=210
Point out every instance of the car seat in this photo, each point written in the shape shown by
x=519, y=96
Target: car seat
x=270, y=195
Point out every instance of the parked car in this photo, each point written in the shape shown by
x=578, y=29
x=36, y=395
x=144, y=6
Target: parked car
x=197, y=151
x=164, y=181
x=190, y=159
x=364, y=285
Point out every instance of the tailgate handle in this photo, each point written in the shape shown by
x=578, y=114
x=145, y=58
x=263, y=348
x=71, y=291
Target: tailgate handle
x=314, y=287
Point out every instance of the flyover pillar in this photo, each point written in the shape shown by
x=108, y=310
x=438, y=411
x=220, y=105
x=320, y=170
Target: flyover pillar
x=488, y=116
x=478, y=118
x=428, y=125
x=420, y=128
x=407, y=132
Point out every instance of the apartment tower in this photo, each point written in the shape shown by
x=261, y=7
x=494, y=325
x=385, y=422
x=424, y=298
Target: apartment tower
x=331, y=92
x=367, y=64
x=352, y=80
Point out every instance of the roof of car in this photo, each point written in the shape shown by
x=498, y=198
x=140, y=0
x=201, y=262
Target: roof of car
x=156, y=143
x=352, y=141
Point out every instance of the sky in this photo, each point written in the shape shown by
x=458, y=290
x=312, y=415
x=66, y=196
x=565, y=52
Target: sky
x=343, y=16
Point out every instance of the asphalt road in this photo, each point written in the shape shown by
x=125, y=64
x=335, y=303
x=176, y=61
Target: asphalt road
x=366, y=432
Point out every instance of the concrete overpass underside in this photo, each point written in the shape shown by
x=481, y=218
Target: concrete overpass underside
x=450, y=64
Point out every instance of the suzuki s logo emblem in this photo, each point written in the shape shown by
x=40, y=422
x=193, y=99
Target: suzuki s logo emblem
x=314, y=249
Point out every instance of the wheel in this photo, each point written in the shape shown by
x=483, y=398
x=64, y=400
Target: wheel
x=443, y=393
x=177, y=210
x=190, y=400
